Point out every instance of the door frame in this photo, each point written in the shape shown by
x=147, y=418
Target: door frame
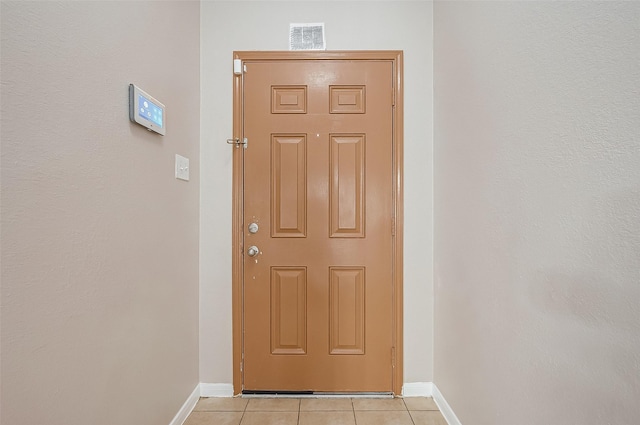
x=396, y=58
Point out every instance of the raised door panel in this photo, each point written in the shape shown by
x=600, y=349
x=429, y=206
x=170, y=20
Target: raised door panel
x=347, y=310
x=288, y=185
x=347, y=99
x=347, y=187
x=289, y=99
x=288, y=310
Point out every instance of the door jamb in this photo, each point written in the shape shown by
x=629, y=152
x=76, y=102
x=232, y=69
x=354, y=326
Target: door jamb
x=396, y=58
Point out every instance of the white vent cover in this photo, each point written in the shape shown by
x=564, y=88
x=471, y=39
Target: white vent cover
x=307, y=37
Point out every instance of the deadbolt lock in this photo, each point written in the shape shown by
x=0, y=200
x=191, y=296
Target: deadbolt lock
x=253, y=228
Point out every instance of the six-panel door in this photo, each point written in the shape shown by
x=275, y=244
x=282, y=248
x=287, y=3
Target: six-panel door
x=318, y=184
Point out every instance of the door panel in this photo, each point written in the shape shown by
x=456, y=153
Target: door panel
x=288, y=310
x=347, y=189
x=318, y=181
x=288, y=185
x=346, y=309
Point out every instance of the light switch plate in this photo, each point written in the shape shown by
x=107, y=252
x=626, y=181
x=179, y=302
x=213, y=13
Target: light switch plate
x=182, y=168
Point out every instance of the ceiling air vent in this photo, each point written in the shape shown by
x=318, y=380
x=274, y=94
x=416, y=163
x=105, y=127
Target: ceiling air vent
x=306, y=37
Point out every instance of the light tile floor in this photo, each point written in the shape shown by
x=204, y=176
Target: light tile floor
x=316, y=411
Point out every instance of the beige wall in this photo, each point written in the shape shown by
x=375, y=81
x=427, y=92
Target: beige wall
x=229, y=26
x=537, y=211
x=99, y=240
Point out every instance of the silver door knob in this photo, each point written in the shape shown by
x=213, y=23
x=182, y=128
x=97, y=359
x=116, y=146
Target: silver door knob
x=253, y=228
x=253, y=251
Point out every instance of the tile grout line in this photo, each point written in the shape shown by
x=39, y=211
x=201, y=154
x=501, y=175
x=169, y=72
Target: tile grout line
x=408, y=411
x=243, y=412
x=353, y=410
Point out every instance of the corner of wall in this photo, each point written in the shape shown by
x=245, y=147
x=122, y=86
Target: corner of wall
x=187, y=407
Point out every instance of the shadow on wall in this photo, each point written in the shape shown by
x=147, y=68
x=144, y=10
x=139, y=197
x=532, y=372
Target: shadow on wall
x=592, y=317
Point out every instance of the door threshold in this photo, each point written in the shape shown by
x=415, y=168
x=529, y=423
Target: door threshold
x=314, y=394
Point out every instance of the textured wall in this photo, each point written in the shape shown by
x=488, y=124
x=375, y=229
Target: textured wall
x=349, y=26
x=537, y=211
x=99, y=240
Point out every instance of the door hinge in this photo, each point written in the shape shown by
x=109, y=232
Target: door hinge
x=237, y=142
x=393, y=226
x=393, y=357
x=241, y=366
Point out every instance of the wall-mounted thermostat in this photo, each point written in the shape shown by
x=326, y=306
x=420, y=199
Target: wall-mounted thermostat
x=146, y=111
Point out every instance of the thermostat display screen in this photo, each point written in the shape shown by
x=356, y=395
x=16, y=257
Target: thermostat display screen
x=146, y=110
x=149, y=110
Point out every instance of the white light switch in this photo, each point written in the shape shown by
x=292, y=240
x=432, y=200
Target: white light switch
x=182, y=168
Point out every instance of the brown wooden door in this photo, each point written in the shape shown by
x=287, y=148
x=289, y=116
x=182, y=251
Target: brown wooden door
x=318, y=182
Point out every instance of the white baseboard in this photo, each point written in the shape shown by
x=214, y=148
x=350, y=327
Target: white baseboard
x=216, y=390
x=429, y=389
x=417, y=389
x=444, y=407
x=187, y=407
